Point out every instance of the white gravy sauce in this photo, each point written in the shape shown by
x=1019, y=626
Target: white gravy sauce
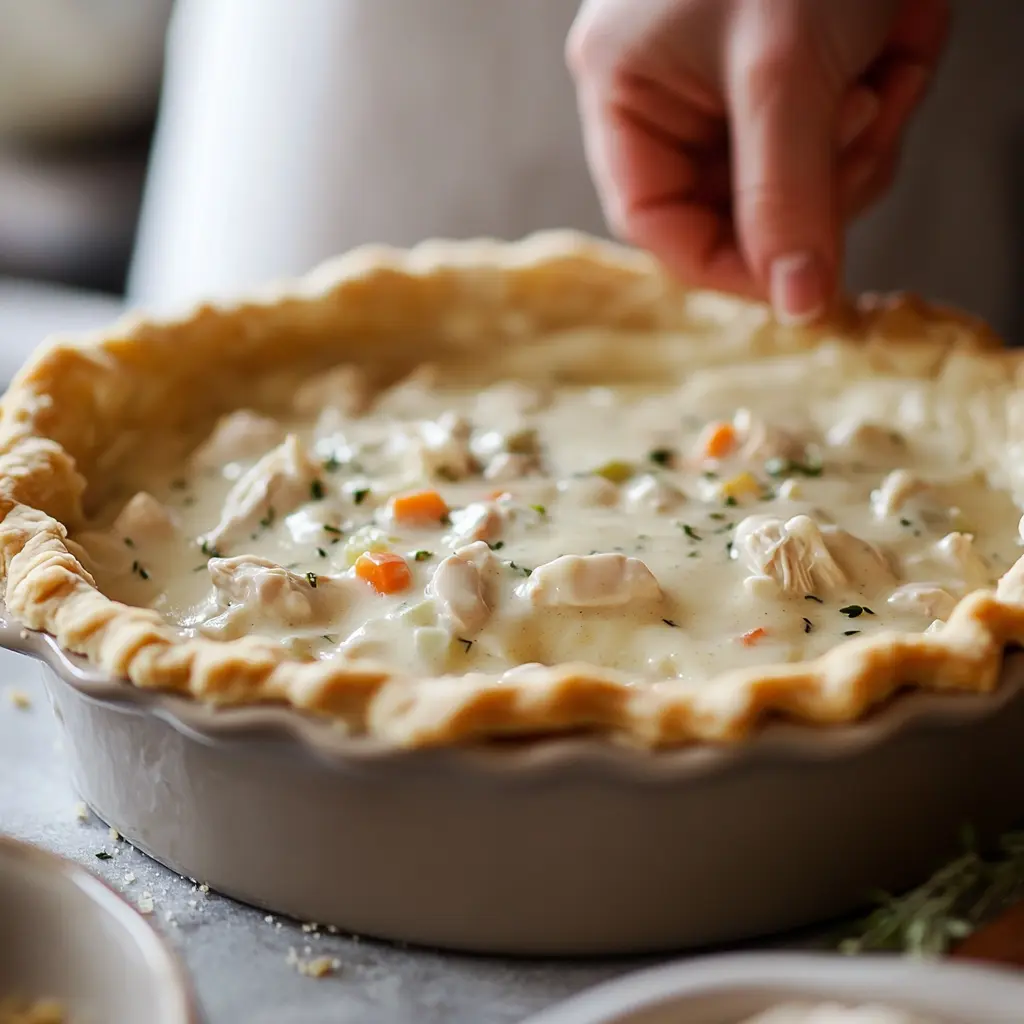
x=749, y=515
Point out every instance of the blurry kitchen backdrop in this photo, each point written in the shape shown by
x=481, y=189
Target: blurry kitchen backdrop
x=292, y=129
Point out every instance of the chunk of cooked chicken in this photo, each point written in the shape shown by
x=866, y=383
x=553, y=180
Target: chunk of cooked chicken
x=144, y=521
x=279, y=482
x=458, y=588
x=237, y=437
x=895, y=491
x=250, y=591
x=927, y=599
x=957, y=551
x=439, y=449
x=591, y=491
x=649, y=493
x=343, y=388
x=480, y=520
x=592, y=581
x=804, y=557
x=507, y=454
x=760, y=440
x=868, y=442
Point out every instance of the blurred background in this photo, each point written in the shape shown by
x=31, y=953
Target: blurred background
x=154, y=151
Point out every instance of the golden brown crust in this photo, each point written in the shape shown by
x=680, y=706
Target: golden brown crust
x=79, y=405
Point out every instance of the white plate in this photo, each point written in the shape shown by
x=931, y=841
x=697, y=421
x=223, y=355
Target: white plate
x=729, y=989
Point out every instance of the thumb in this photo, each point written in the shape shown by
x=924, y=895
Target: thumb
x=783, y=116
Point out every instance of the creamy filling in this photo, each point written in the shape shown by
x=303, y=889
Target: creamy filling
x=670, y=532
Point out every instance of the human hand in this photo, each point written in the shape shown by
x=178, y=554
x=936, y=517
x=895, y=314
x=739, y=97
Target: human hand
x=735, y=139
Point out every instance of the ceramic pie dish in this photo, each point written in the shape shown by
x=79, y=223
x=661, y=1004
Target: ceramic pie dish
x=734, y=989
x=511, y=572
x=69, y=940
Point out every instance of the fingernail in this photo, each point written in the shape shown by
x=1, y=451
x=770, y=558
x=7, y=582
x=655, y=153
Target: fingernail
x=860, y=113
x=797, y=288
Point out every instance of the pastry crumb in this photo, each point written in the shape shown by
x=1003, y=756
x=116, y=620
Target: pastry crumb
x=115, y=835
x=318, y=967
x=43, y=1011
x=129, y=877
x=19, y=699
x=81, y=811
x=145, y=904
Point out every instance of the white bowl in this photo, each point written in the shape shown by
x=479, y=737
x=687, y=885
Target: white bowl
x=65, y=936
x=729, y=989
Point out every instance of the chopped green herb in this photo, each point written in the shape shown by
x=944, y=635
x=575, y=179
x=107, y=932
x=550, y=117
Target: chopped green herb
x=768, y=495
x=445, y=520
x=669, y=622
x=660, y=456
x=690, y=531
x=321, y=552
x=200, y=568
x=693, y=554
x=853, y=611
x=729, y=550
x=812, y=597
x=777, y=467
x=316, y=490
x=333, y=529
x=710, y=474
x=719, y=516
x=311, y=579
x=103, y=855
x=465, y=643
x=137, y=568
x=268, y=520
x=850, y=632
x=128, y=542
x=906, y=522
x=332, y=463
x=359, y=495
x=519, y=568
x=730, y=501
x=422, y=556
x=208, y=550
x=496, y=546
x=808, y=625
x=328, y=637
x=539, y=509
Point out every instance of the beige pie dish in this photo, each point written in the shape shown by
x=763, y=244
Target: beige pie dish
x=730, y=989
x=557, y=848
x=66, y=937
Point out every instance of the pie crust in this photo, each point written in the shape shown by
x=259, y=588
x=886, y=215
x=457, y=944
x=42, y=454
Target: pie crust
x=79, y=405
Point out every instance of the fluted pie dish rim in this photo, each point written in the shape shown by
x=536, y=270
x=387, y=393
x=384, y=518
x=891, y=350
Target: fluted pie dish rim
x=75, y=398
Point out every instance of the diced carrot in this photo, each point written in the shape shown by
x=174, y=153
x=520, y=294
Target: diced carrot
x=419, y=507
x=717, y=440
x=752, y=636
x=385, y=571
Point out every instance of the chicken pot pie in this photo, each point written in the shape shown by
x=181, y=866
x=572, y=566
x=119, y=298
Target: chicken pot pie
x=476, y=489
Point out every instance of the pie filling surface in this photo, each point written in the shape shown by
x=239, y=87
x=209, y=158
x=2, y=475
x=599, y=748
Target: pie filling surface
x=748, y=515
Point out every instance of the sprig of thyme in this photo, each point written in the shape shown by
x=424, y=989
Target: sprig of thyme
x=947, y=907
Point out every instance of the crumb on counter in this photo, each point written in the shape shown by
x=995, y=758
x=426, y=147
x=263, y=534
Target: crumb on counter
x=317, y=967
x=19, y=699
